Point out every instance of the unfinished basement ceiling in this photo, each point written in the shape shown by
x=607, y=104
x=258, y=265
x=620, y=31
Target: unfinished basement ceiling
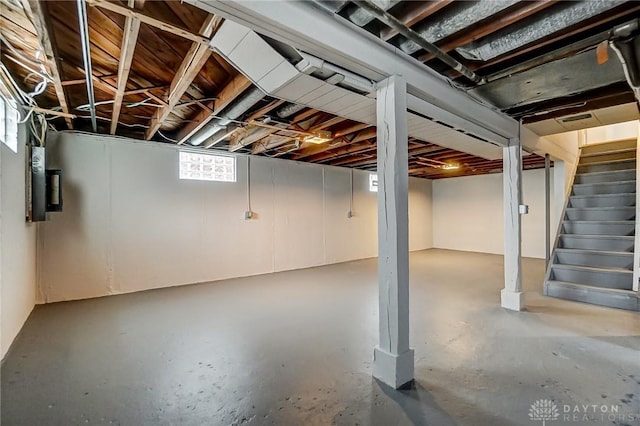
x=177, y=90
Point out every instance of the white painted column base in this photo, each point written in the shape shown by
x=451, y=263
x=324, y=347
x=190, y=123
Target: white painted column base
x=513, y=300
x=393, y=370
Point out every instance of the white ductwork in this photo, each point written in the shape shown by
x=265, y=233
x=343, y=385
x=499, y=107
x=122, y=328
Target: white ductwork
x=277, y=77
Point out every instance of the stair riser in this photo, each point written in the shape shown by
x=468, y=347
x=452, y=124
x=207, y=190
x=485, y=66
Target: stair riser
x=595, y=260
x=629, y=303
x=612, y=201
x=592, y=168
x=611, y=244
x=611, y=146
x=622, y=214
x=604, y=188
x=606, y=177
x=608, y=157
x=598, y=228
x=609, y=279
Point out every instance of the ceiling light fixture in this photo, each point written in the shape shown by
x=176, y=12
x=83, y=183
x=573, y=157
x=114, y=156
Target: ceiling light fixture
x=318, y=137
x=451, y=166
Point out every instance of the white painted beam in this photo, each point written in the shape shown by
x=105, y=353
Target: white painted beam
x=512, y=296
x=393, y=359
x=307, y=27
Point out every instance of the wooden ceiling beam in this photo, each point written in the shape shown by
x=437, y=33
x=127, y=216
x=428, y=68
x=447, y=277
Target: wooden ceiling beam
x=39, y=14
x=490, y=25
x=191, y=65
x=416, y=12
x=228, y=94
x=149, y=20
x=129, y=42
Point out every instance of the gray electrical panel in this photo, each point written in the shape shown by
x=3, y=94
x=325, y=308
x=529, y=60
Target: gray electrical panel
x=38, y=187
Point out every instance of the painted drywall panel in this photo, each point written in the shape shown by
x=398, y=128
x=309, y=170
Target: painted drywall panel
x=612, y=132
x=130, y=224
x=468, y=214
x=349, y=238
x=75, y=261
x=420, y=214
x=299, y=221
x=18, y=245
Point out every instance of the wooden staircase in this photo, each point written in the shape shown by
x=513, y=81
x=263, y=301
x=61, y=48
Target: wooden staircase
x=592, y=260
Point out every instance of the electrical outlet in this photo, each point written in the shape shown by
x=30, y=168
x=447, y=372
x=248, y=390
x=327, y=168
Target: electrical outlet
x=248, y=215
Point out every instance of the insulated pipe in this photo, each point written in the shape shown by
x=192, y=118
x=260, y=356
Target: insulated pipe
x=86, y=56
x=397, y=25
x=229, y=115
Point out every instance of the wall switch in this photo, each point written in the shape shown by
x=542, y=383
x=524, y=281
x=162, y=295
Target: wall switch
x=248, y=215
x=524, y=209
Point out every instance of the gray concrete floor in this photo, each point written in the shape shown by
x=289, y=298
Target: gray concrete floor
x=295, y=348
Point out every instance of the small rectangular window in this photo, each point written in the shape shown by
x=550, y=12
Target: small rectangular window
x=8, y=124
x=373, y=182
x=220, y=168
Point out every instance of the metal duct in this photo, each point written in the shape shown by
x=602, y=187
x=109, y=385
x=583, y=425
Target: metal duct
x=229, y=114
x=361, y=17
x=289, y=109
x=334, y=6
x=563, y=15
x=453, y=18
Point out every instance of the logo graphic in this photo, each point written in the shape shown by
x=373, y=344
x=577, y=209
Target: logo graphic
x=543, y=410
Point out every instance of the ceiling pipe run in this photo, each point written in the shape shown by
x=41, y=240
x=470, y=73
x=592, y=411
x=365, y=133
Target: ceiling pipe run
x=394, y=23
x=86, y=56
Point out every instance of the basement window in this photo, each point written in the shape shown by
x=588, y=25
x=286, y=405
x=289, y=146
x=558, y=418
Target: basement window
x=373, y=182
x=8, y=125
x=210, y=167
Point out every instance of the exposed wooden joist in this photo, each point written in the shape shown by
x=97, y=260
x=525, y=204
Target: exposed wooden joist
x=40, y=16
x=188, y=70
x=416, y=13
x=492, y=24
x=129, y=41
x=143, y=17
x=228, y=94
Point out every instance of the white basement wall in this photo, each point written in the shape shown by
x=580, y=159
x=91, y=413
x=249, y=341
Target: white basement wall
x=130, y=224
x=18, y=259
x=468, y=214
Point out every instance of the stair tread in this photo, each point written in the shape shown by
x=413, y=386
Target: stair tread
x=603, y=208
x=625, y=222
x=613, y=151
x=621, y=160
x=593, y=287
x=606, y=172
x=602, y=195
x=606, y=183
x=595, y=251
x=591, y=268
x=599, y=237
